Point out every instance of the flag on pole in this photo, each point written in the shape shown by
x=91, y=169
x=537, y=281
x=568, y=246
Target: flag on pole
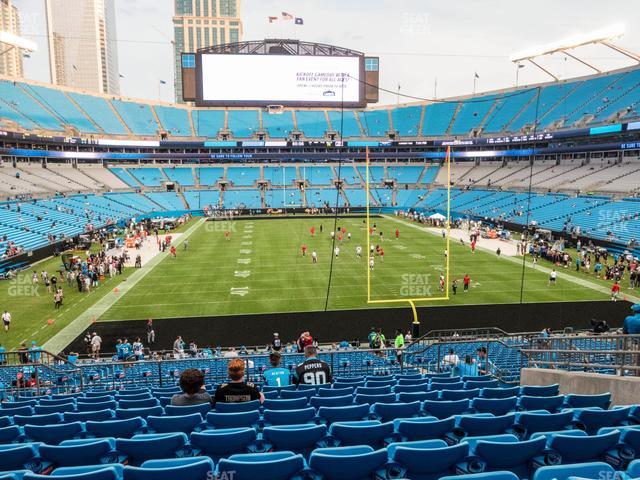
x=272, y=19
x=299, y=21
x=287, y=16
x=476, y=75
x=162, y=82
x=121, y=75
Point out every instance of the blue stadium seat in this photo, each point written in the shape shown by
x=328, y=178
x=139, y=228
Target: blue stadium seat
x=459, y=394
x=143, y=403
x=233, y=420
x=53, y=434
x=371, y=399
x=380, y=384
x=201, y=409
x=551, y=403
x=126, y=428
x=11, y=434
x=573, y=400
x=583, y=449
x=125, y=413
x=427, y=459
x=629, y=436
x=223, y=442
x=425, y=428
x=97, y=416
x=46, y=419
x=55, y=401
x=591, y=420
x=390, y=411
x=237, y=407
x=540, y=390
x=500, y=392
x=445, y=408
x=177, y=423
x=528, y=423
x=297, y=394
x=633, y=470
x=495, y=406
x=26, y=411
x=290, y=404
x=593, y=470
x=366, y=432
x=45, y=409
x=514, y=456
x=197, y=468
x=88, y=452
x=295, y=438
x=151, y=446
x=476, y=425
x=342, y=401
x=21, y=457
x=409, y=397
x=471, y=384
x=351, y=380
x=99, y=399
x=265, y=466
x=335, y=392
x=484, y=476
x=373, y=390
x=329, y=415
x=94, y=406
x=289, y=417
x=105, y=472
x=358, y=462
x=448, y=386
x=411, y=388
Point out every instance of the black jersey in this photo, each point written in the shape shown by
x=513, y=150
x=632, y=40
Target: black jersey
x=312, y=372
x=236, y=393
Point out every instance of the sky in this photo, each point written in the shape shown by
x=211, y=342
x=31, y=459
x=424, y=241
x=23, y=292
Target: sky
x=430, y=48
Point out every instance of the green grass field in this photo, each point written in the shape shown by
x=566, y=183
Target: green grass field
x=261, y=270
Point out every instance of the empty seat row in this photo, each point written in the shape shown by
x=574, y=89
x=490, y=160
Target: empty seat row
x=543, y=457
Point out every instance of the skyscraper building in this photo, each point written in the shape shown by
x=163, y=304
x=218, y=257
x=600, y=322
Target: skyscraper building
x=10, y=57
x=82, y=44
x=203, y=23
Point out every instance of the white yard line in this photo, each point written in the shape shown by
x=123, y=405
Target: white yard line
x=64, y=337
x=578, y=281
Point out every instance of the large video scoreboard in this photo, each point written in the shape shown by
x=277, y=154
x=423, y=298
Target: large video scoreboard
x=313, y=76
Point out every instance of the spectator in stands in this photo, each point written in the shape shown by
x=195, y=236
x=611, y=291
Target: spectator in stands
x=3, y=356
x=631, y=324
x=237, y=390
x=399, y=344
x=178, y=347
x=312, y=371
x=468, y=367
x=276, y=343
x=276, y=376
x=96, y=343
x=482, y=361
x=450, y=360
x=305, y=340
x=193, y=391
x=151, y=332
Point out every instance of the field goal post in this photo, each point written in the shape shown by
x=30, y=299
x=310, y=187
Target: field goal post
x=411, y=301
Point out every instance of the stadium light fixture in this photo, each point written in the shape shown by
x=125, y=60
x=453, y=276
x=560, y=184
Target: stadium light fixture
x=14, y=41
x=579, y=40
x=602, y=36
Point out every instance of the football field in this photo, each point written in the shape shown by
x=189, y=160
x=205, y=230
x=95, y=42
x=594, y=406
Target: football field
x=259, y=268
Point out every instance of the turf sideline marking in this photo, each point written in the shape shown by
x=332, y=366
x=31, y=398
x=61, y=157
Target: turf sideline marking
x=64, y=337
x=571, y=278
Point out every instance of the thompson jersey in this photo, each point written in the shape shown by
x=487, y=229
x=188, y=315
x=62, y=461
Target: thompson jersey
x=313, y=372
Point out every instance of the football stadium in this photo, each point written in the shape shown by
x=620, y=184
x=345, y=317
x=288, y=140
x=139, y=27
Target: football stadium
x=266, y=240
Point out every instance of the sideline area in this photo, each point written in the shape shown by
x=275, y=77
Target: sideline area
x=64, y=337
x=518, y=260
